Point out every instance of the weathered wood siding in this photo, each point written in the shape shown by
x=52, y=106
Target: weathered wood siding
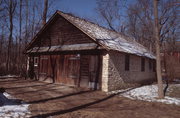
x=84, y=72
x=61, y=32
x=66, y=68
x=172, y=66
x=78, y=70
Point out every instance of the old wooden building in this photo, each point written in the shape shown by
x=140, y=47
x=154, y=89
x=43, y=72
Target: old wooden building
x=170, y=59
x=73, y=51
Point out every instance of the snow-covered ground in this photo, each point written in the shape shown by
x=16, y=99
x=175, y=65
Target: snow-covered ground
x=149, y=93
x=11, y=108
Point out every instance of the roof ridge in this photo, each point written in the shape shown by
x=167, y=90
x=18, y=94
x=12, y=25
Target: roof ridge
x=105, y=28
x=71, y=14
x=128, y=38
x=107, y=38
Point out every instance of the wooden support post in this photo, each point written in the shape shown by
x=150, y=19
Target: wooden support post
x=97, y=73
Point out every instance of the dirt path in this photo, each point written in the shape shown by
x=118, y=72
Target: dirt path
x=59, y=101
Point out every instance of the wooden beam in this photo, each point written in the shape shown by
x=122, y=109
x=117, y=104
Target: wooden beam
x=86, y=46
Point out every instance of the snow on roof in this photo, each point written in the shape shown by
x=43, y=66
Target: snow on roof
x=108, y=38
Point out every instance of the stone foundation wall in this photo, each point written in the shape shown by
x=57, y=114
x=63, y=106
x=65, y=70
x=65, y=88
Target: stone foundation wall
x=105, y=72
x=117, y=78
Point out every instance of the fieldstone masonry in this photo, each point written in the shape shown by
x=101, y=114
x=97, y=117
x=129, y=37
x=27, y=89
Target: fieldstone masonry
x=115, y=77
x=105, y=72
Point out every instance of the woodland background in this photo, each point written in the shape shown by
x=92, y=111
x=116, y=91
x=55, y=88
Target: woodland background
x=20, y=20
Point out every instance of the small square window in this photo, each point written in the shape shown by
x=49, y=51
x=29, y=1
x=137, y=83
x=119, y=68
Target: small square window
x=154, y=66
x=150, y=64
x=36, y=61
x=127, y=59
x=142, y=64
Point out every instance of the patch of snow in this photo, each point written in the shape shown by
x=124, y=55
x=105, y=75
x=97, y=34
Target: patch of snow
x=12, y=108
x=176, y=80
x=172, y=86
x=148, y=93
x=8, y=76
x=119, y=91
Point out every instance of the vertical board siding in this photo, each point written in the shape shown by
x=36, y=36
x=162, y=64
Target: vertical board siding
x=84, y=72
x=61, y=32
x=70, y=69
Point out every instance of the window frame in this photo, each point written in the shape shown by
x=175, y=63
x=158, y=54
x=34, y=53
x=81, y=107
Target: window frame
x=36, y=60
x=154, y=66
x=150, y=64
x=143, y=63
x=127, y=62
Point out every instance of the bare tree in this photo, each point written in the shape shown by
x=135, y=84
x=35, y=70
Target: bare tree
x=45, y=12
x=1, y=7
x=10, y=7
x=15, y=36
x=2, y=26
x=109, y=11
x=33, y=20
x=20, y=36
x=1, y=41
x=140, y=21
x=26, y=22
x=158, y=60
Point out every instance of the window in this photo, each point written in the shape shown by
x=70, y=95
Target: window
x=154, y=66
x=127, y=62
x=142, y=64
x=35, y=61
x=150, y=64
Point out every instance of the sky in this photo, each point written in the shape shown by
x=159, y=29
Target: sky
x=85, y=8
x=82, y=8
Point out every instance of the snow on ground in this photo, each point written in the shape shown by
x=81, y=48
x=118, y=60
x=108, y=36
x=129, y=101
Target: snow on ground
x=8, y=76
x=9, y=107
x=177, y=80
x=148, y=93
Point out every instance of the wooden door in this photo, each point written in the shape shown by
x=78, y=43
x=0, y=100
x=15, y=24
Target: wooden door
x=93, y=72
x=71, y=70
x=89, y=71
x=77, y=70
x=43, y=65
x=60, y=70
x=84, y=72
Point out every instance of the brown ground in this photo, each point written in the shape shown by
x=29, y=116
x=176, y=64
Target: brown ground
x=61, y=101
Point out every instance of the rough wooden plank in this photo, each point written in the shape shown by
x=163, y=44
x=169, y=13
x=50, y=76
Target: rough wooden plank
x=86, y=46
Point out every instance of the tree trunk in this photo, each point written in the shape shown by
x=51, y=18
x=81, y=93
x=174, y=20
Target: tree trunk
x=158, y=60
x=1, y=43
x=20, y=28
x=33, y=21
x=26, y=25
x=10, y=35
x=45, y=12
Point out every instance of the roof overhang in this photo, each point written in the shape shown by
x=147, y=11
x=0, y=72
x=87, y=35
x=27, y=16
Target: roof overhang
x=74, y=47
